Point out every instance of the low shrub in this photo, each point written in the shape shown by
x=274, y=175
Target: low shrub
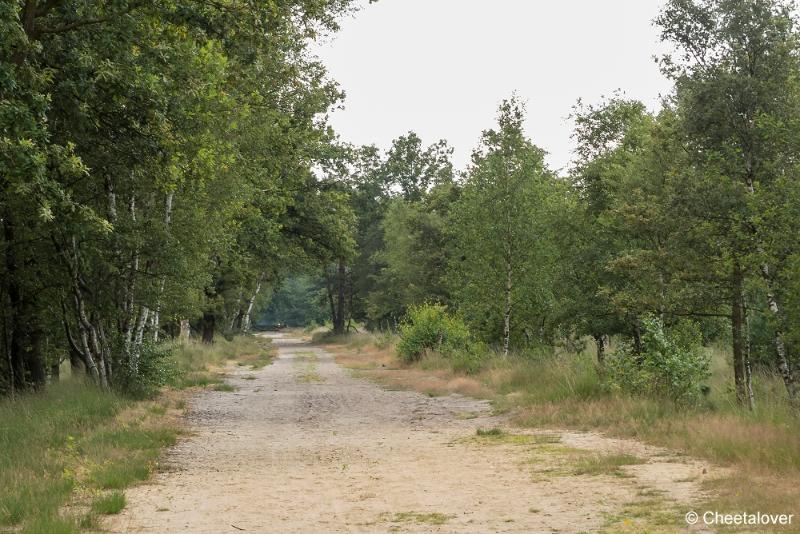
x=470, y=359
x=672, y=364
x=157, y=368
x=430, y=327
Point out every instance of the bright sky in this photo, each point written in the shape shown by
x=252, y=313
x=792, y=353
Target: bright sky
x=441, y=67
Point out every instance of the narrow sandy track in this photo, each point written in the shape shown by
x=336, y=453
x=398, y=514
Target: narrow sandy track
x=305, y=447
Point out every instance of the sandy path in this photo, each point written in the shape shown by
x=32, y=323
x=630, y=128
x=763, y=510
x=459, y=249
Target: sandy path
x=305, y=447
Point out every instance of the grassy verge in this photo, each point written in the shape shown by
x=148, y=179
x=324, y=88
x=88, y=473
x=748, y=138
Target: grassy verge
x=68, y=452
x=554, y=389
x=203, y=365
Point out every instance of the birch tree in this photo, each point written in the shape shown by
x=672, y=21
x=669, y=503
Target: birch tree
x=501, y=271
x=735, y=71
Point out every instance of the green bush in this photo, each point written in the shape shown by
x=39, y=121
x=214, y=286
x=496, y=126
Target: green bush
x=470, y=359
x=429, y=327
x=672, y=364
x=157, y=368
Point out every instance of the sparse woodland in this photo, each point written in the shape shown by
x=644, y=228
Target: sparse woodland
x=167, y=169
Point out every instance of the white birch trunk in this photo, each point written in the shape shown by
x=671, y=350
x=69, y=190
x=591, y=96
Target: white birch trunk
x=138, y=339
x=507, y=311
x=784, y=366
x=157, y=311
x=251, y=303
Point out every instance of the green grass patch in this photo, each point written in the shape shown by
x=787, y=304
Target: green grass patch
x=427, y=518
x=197, y=361
x=38, y=435
x=68, y=437
x=198, y=379
x=307, y=360
x=609, y=464
x=51, y=525
x=499, y=436
x=59, y=443
x=119, y=475
x=224, y=387
x=109, y=504
x=652, y=515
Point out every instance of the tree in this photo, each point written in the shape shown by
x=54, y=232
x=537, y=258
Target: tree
x=736, y=88
x=148, y=151
x=501, y=268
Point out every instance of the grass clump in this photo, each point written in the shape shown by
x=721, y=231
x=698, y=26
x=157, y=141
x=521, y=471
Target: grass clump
x=109, y=504
x=491, y=432
x=224, y=387
x=610, y=464
x=427, y=518
x=119, y=475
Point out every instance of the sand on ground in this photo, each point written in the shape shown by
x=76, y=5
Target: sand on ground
x=301, y=446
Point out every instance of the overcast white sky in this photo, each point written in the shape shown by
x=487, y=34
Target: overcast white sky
x=441, y=67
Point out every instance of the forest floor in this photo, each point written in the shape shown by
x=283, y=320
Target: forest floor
x=304, y=446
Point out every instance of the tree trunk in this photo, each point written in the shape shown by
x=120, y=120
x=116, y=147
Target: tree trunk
x=138, y=339
x=784, y=364
x=507, y=309
x=748, y=368
x=737, y=332
x=339, y=316
x=331, y=302
x=638, y=349
x=35, y=359
x=7, y=349
x=236, y=321
x=55, y=372
x=25, y=332
x=600, y=341
x=250, y=303
x=185, y=330
x=207, y=326
x=157, y=311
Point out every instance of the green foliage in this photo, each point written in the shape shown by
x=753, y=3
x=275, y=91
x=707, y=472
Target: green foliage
x=503, y=245
x=157, y=124
x=401, y=200
x=430, y=327
x=470, y=359
x=157, y=368
x=298, y=301
x=671, y=364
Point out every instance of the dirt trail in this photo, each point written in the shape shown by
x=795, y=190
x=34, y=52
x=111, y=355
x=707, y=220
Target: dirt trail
x=305, y=447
